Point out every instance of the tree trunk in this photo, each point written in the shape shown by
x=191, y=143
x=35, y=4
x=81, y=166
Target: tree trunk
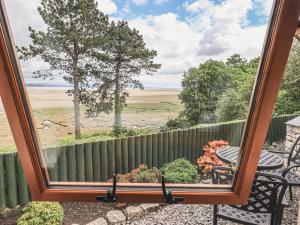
x=76, y=101
x=118, y=109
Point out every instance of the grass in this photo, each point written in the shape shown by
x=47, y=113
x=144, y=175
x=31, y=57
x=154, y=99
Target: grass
x=102, y=136
x=215, y=124
x=7, y=149
x=154, y=107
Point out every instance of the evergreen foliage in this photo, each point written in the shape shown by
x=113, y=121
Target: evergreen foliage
x=74, y=35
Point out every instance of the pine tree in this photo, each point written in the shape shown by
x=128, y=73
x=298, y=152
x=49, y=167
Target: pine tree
x=126, y=57
x=71, y=44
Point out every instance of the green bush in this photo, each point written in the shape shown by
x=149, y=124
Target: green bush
x=180, y=171
x=42, y=213
x=175, y=124
x=147, y=176
x=128, y=132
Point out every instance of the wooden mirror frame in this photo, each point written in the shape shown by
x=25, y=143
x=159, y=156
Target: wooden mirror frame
x=280, y=34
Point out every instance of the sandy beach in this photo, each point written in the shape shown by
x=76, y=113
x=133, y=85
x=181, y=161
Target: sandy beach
x=149, y=108
x=56, y=97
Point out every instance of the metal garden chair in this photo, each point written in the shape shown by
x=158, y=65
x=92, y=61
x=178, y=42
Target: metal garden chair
x=293, y=163
x=264, y=204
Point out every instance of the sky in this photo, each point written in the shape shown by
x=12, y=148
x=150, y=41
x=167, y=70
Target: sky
x=184, y=33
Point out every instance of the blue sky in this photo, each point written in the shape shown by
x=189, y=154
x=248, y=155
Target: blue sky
x=254, y=15
x=184, y=33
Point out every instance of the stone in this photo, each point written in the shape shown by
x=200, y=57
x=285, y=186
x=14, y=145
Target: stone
x=208, y=181
x=8, y=213
x=133, y=212
x=116, y=217
x=149, y=207
x=99, y=221
x=296, y=130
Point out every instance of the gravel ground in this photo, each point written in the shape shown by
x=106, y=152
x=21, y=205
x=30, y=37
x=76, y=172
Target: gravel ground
x=203, y=214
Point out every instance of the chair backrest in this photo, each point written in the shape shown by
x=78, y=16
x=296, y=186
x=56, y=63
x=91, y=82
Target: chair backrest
x=266, y=194
x=294, y=155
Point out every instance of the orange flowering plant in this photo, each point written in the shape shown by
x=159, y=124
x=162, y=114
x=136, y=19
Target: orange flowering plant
x=210, y=159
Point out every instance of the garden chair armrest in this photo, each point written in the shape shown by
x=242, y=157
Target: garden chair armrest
x=279, y=152
x=286, y=170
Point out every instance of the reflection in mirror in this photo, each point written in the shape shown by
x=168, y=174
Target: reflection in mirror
x=161, y=91
x=283, y=138
x=7, y=144
x=14, y=190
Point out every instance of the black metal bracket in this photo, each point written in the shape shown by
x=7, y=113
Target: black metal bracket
x=111, y=193
x=168, y=197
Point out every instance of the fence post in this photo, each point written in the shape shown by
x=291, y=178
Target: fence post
x=62, y=164
x=88, y=156
x=149, y=151
x=103, y=161
x=166, y=147
x=190, y=146
x=194, y=145
x=144, y=149
x=160, y=149
x=137, y=151
x=23, y=190
x=111, y=157
x=155, y=150
x=125, y=155
x=11, y=181
x=185, y=144
x=96, y=161
x=71, y=163
x=175, y=144
x=180, y=144
x=118, y=156
x=2, y=183
x=80, y=162
x=131, y=153
x=170, y=146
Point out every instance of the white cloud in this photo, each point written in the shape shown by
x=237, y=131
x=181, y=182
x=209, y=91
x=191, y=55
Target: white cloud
x=160, y=2
x=222, y=28
x=264, y=6
x=107, y=6
x=174, y=40
x=197, y=5
x=139, y=2
x=210, y=31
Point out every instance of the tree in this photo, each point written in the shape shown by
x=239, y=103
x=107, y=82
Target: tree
x=234, y=102
x=288, y=99
x=236, y=61
x=126, y=57
x=202, y=88
x=75, y=32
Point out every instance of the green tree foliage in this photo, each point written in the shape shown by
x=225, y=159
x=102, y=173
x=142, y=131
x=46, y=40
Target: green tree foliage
x=202, y=88
x=126, y=57
x=288, y=100
x=74, y=36
x=234, y=102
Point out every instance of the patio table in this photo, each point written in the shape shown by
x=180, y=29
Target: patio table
x=267, y=160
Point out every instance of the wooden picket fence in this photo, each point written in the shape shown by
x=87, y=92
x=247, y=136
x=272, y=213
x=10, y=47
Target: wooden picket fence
x=97, y=161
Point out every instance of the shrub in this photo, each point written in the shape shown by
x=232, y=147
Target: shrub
x=128, y=132
x=140, y=175
x=210, y=159
x=147, y=176
x=42, y=213
x=180, y=171
x=175, y=124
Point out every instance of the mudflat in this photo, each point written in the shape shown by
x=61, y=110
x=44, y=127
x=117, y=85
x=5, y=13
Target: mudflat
x=53, y=113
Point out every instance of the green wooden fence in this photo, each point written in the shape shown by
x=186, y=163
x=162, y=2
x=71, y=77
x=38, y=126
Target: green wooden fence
x=97, y=161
